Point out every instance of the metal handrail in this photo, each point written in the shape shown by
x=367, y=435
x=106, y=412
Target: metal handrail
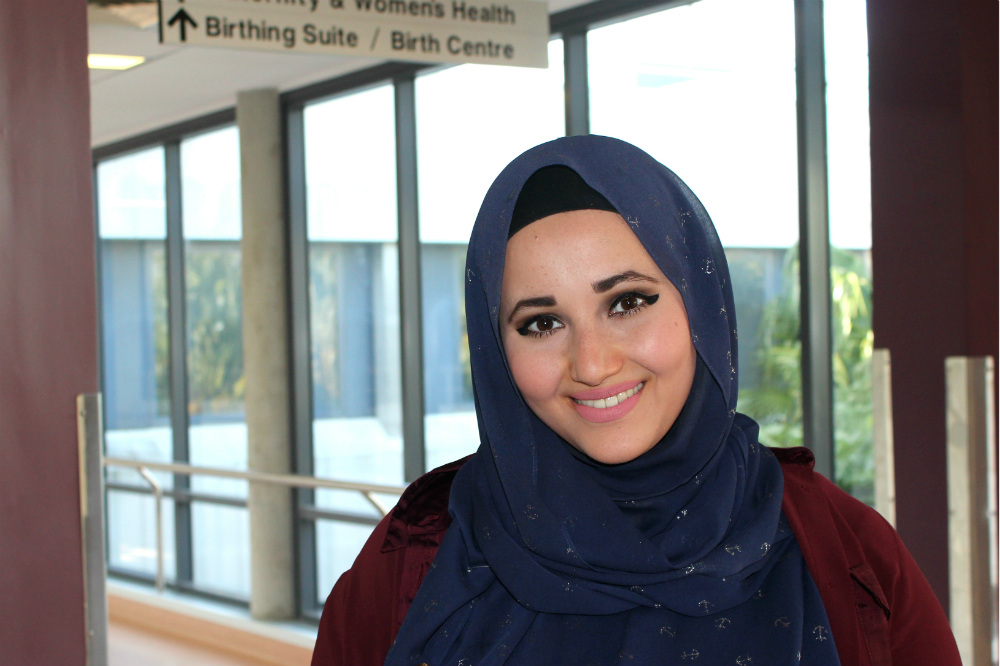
x=367, y=490
x=158, y=496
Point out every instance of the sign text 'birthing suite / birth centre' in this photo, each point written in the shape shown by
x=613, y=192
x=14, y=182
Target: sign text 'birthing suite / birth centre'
x=514, y=32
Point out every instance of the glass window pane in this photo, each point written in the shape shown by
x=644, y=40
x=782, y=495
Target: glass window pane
x=353, y=288
x=463, y=143
x=132, y=218
x=132, y=534
x=221, y=554
x=845, y=41
x=210, y=187
x=135, y=352
x=339, y=542
x=353, y=311
x=709, y=90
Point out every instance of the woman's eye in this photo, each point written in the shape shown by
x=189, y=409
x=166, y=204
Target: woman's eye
x=631, y=303
x=540, y=326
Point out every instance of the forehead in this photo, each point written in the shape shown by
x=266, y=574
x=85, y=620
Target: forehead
x=582, y=243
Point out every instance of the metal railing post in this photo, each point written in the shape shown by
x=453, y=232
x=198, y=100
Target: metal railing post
x=90, y=443
x=158, y=498
x=882, y=437
x=972, y=507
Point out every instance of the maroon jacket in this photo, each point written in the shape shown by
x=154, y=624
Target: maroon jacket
x=881, y=608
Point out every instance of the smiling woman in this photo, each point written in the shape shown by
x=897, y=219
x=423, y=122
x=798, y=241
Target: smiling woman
x=619, y=509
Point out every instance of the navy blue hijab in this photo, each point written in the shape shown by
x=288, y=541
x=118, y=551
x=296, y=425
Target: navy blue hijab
x=679, y=556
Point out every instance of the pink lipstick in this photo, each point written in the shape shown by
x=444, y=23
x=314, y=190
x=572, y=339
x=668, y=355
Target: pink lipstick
x=607, y=404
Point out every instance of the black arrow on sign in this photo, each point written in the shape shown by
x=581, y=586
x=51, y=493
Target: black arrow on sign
x=184, y=19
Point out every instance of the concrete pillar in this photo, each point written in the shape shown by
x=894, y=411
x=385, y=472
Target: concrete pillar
x=266, y=353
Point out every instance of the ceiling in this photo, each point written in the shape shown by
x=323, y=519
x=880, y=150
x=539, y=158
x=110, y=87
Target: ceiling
x=177, y=83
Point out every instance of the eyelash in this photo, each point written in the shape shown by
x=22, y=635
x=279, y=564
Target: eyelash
x=526, y=331
x=645, y=301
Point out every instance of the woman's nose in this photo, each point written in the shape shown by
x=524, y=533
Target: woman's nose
x=594, y=357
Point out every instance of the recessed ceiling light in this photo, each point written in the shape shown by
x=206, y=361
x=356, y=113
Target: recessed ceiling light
x=104, y=61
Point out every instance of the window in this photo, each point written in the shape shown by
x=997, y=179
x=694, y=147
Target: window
x=715, y=101
x=132, y=229
x=846, y=42
x=350, y=172
x=210, y=188
x=205, y=542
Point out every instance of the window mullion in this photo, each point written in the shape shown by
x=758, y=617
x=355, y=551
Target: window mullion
x=577, y=90
x=178, y=358
x=302, y=397
x=414, y=458
x=814, y=235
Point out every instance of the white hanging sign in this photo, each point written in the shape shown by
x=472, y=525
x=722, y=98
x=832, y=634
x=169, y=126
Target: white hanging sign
x=513, y=32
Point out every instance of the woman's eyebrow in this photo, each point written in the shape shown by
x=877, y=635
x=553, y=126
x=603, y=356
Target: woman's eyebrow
x=607, y=283
x=537, y=302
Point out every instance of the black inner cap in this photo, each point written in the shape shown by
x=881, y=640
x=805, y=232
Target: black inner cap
x=550, y=190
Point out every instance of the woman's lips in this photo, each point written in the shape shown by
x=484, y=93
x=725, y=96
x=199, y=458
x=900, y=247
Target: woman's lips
x=609, y=404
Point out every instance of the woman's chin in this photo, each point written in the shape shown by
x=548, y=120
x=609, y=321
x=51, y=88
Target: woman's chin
x=612, y=452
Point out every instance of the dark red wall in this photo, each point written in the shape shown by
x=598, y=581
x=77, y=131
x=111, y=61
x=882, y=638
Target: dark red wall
x=933, y=91
x=48, y=325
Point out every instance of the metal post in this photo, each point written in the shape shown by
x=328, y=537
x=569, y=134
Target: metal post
x=301, y=350
x=177, y=331
x=882, y=437
x=576, y=83
x=90, y=438
x=814, y=235
x=158, y=499
x=972, y=507
x=409, y=279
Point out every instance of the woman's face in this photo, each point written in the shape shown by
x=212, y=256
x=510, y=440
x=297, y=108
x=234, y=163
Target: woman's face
x=596, y=336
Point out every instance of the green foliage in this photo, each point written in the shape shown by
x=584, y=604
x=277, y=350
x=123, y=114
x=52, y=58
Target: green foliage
x=157, y=264
x=215, y=329
x=777, y=402
x=324, y=326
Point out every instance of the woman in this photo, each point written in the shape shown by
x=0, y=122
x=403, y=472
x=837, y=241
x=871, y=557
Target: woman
x=619, y=509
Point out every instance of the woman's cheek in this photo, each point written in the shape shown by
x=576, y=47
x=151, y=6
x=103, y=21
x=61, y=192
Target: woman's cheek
x=663, y=343
x=532, y=368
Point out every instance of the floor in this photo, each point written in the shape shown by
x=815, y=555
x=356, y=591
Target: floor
x=133, y=646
